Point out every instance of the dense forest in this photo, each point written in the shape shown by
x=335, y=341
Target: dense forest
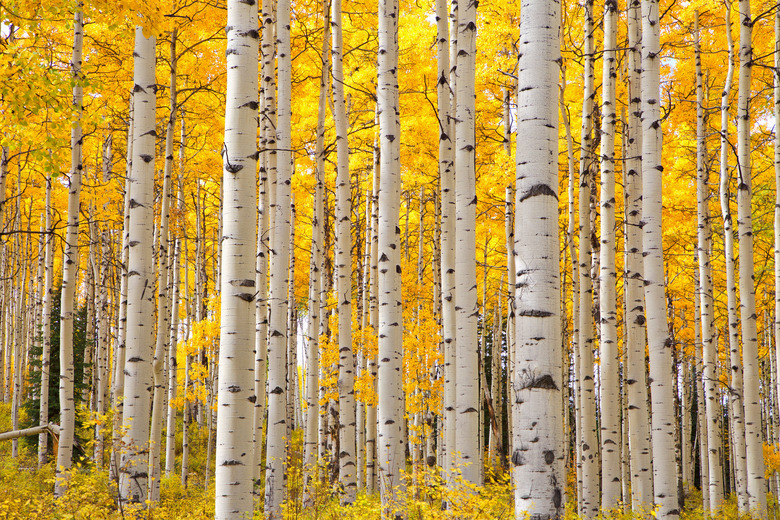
x=407, y=259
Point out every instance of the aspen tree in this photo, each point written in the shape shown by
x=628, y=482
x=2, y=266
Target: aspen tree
x=538, y=445
x=373, y=318
x=390, y=411
x=140, y=298
x=467, y=400
x=236, y=395
x=714, y=489
x=747, y=291
x=170, y=428
x=70, y=266
x=609, y=357
x=588, y=446
x=280, y=229
x=446, y=181
x=776, y=92
x=313, y=333
x=640, y=453
x=163, y=279
x=48, y=240
x=343, y=264
x=118, y=379
x=659, y=343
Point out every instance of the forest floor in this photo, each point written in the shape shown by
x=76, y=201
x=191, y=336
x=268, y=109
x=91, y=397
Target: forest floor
x=26, y=492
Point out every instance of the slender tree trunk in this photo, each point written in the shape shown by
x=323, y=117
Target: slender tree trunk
x=539, y=474
x=69, y=270
x=713, y=488
x=588, y=436
x=43, y=418
x=277, y=346
x=140, y=297
x=346, y=378
x=163, y=275
x=310, y=456
x=608, y=341
x=747, y=291
x=777, y=219
x=659, y=343
x=467, y=401
x=390, y=412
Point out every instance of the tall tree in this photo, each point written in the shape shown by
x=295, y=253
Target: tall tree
x=346, y=381
x=658, y=340
x=467, y=400
x=70, y=267
x=608, y=342
x=747, y=289
x=280, y=258
x=236, y=395
x=636, y=366
x=140, y=280
x=538, y=471
x=390, y=411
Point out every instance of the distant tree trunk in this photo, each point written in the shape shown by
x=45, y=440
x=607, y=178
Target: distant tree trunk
x=43, y=418
x=608, y=342
x=538, y=472
x=659, y=343
x=756, y=485
x=140, y=298
x=310, y=455
x=390, y=412
x=70, y=267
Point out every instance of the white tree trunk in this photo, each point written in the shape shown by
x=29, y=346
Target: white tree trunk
x=539, y=475
x=280, y=237
x=611, y=488
x=43, y=417
x=467, y=399
x=236, y=395
x=588, y=446
x=343, y=265
x=70, y=267
x=140, y=281
x=390, y=412
x=640, y=452
x=756, y=486
x=163, y=300
x=714, y=489
x=659, y=343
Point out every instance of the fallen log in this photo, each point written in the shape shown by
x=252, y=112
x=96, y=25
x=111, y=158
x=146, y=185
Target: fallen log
x=51, y=428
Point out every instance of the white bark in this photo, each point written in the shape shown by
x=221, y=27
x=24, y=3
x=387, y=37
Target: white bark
x=587, y=438
x=756, y=486
x=236, y=394
x=636, y=368
x=467, y=399
x=140, y=281
x=539, y=475
x=611, y=489
x=280, y=236
x=659, y=343
x=163, y=301
x=390, y=412
x=446, y=179
x=714, y=489
x=43, y=417
x=343, y=265
x=70, y=262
